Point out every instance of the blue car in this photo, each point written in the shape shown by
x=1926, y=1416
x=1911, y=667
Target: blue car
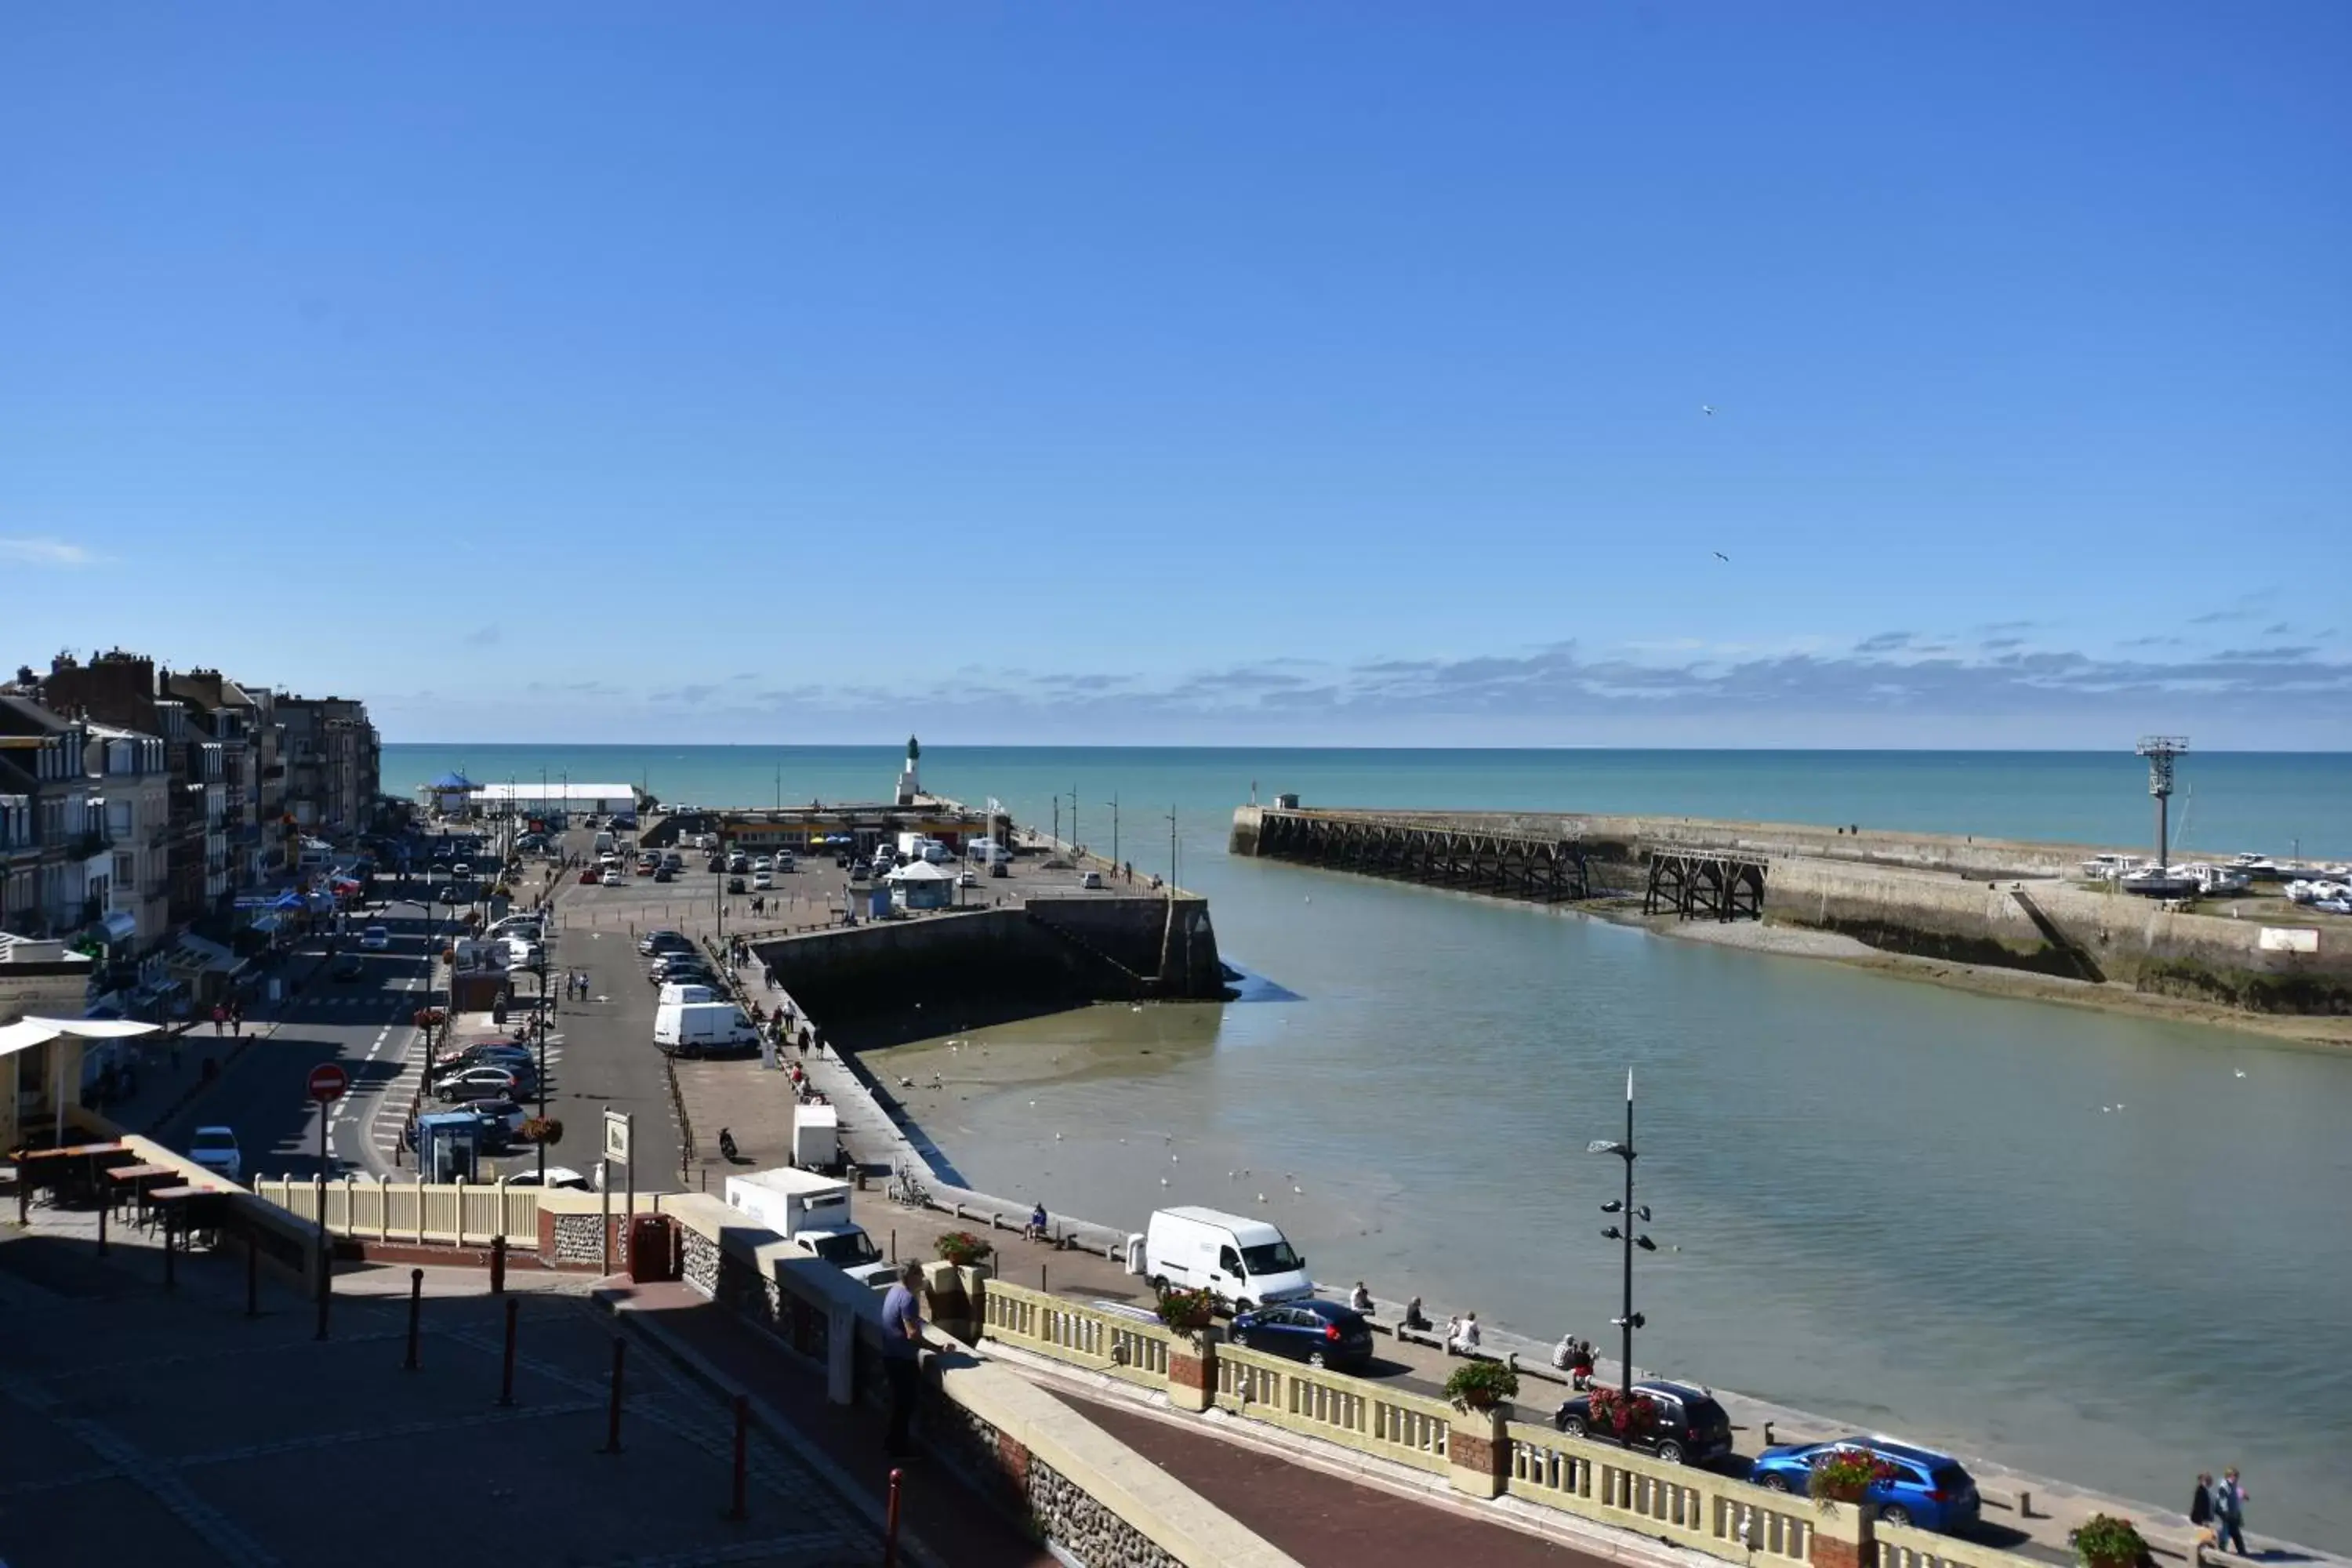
x=1320, y=1333
x=1928, y=1489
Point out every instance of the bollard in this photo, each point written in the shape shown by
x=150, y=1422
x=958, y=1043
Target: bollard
x=612, y=1416
x=894, y=1244
x=1043, y=1288
x=506, y=1363
x=104, y=1203
x=891, y=1523
x=742, y=1435
x=252, y=1276
x=415, y=1311
x=326, y=1290
x=498, y=1266
x=170, y=1230
x=2024, y=1505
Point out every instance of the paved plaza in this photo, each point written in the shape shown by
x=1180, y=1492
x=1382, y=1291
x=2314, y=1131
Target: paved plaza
x=155, y=1429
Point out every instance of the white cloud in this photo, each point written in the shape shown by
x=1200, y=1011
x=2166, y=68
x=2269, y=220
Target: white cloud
x=46, y=553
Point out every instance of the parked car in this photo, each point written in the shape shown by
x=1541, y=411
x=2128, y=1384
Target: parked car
x=590, y=875
x=501, y=1121
x=479, y=1083
x=376, y=939
x=734, y=884
x=717, y=863
x=214, y=1148
x=663, y=874
x=613, y=879
x=999, y=869
x=1689, y=1427
x=762, y=863
x=490, y=1053
x=655, y=942
x=966, y=879
x=452, y=894
x=762, y=880
x=1318, y=1332
x=347, y=966
x=1928, y=1489
x=1091, y=879
x=739, y=862
x=857, y=873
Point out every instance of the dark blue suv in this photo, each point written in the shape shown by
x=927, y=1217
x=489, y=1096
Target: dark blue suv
x=1928, y=1489
x=1320, y=1333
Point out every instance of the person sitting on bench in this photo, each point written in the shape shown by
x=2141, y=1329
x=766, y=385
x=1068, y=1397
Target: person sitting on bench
x=1036, y=1229
x=1464, y=1341
x=1413, y=1315
x=1360, y=1299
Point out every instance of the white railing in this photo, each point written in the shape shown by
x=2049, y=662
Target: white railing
x=1721, y=1517
x=454, y=1214
x=1906, y=1546
x=1410, y=1428
x=1085, y=1336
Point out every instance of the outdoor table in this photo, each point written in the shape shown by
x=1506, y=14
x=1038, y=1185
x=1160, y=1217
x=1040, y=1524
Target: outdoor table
x=134, y=1188
x=195, y=1211
x=53, y=1167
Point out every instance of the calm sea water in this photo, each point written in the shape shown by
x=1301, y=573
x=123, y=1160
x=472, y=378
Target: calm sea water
x=2084, y=1245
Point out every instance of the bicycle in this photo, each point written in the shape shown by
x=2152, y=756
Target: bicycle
x=908, y=1190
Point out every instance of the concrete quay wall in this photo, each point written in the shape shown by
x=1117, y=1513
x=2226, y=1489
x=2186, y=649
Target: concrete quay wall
x=1622, y=838
x=2003, y=902
x=1088, y=946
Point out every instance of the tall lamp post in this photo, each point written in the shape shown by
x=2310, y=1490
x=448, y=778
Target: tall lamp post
x=1113, y=804
x=1630, y=1320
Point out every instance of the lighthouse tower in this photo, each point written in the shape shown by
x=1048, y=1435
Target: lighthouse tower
x=908, y=787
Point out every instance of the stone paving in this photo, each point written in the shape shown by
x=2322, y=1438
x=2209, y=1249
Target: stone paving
x=173, y=1429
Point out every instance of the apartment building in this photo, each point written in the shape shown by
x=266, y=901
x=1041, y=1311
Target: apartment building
x=333, y=759
x=58, y=860
x=136, y=789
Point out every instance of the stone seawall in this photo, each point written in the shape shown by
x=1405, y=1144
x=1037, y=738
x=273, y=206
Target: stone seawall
x=2001, y=902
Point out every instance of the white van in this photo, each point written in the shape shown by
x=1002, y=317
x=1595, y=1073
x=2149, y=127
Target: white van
x=1247, y=1262
x=677, y=994
x=704, y=1028
x=604, y=844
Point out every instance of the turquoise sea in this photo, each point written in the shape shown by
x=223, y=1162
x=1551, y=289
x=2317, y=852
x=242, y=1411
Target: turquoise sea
x=2108, y=1249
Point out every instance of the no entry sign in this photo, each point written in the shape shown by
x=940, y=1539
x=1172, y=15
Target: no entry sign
x=329, y=1081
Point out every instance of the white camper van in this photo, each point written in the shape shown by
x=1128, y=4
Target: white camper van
x=1247, y=1262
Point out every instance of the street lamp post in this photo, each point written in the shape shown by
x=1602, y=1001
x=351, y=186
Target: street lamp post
x=1113, y=804
x=546, y=1021
x=1630, y=1320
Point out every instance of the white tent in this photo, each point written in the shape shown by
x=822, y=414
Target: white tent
x=919, y=885
x=27, y=1032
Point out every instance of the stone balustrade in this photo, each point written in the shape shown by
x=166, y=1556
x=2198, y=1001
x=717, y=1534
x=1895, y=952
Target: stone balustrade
x=453, y=1213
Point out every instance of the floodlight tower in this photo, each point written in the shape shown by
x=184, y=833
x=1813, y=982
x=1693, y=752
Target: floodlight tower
x=2159, y=751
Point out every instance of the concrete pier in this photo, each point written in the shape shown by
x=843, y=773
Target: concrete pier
x=2006, y=903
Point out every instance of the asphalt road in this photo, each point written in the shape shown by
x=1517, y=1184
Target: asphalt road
x=363, y=1024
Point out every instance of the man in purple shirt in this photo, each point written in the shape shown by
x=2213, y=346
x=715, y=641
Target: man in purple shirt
x=902, y=1351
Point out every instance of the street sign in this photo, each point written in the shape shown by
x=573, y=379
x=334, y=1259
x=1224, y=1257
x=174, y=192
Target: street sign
x=329, y=1081
x=616, y=1136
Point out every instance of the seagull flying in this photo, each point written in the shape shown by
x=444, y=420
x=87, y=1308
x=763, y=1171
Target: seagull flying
x=1719, y=555
x=1708, y=409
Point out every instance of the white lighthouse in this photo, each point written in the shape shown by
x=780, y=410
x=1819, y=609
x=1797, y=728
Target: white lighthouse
x=908, y=785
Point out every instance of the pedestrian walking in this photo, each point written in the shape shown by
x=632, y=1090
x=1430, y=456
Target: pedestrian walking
x=902, y=1356
x=2230, y=1512
x=2201, y=1510
x=236, y=1018
x=220, y=1019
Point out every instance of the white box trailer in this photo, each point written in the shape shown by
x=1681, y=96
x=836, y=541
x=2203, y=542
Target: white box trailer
x=788, y=1201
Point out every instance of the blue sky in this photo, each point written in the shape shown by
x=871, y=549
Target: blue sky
x=1204, y=373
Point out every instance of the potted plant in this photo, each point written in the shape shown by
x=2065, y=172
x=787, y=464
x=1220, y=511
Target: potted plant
x=1615, y=1414
x=1188, y=1311
x=1847, y=1475
x=1481, y=1386
x=962, y=1249
x=2107, y=1541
